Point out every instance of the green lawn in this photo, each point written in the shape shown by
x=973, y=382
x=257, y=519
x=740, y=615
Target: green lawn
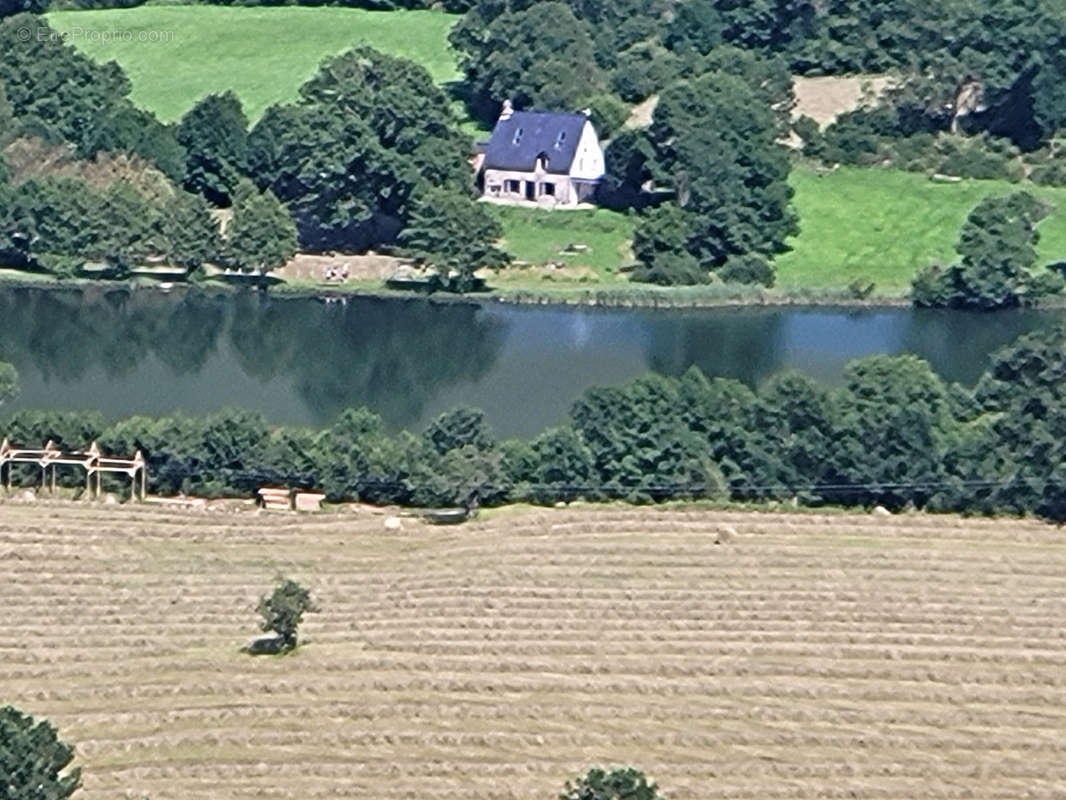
x=867, y=224
x=884, y=225
x=539, y=236
x=262, y=54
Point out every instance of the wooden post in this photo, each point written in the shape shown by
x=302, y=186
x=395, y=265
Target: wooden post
x=54, y=478
x=94, y=453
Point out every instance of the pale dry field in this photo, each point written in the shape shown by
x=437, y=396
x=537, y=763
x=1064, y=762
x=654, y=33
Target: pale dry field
x=812, y=656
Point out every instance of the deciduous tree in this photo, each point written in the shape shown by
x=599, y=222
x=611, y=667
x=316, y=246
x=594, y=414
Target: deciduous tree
x=189, y=235
x=368, y=131
x=541, y=56
x=262, y=235
x=34, y=763
x=214, y=133
x=451, y=232
x=619, y=783
x=283, y=610
x=997, y=249
x=715, y=143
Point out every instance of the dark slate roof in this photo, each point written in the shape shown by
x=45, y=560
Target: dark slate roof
x=540, y=133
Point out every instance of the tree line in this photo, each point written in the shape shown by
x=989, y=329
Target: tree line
x=370, y=154
x=894, y=434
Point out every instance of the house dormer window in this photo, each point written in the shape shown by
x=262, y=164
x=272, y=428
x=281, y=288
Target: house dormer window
x=560, y=139
x=517, y=136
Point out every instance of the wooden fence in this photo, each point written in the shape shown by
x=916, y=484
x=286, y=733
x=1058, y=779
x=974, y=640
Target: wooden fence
x=92, y=461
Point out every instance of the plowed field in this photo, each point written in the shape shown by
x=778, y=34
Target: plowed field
x=811, y=656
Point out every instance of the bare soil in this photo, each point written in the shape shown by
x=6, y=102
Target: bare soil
x=825, y=98
x=805, y=656
x=309, y=267
x=821, y=98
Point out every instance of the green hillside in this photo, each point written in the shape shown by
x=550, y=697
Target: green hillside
x=868, y=224
x=262, y=54
x=884, y=225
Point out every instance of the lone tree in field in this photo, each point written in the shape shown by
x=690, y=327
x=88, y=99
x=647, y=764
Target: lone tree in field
x=620, y=783
x=283, y=611
x=32, y=759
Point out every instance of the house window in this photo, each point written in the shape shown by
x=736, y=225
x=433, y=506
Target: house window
x=560, y=139
x=517, y=136
x=512, y=186
x=548, y=189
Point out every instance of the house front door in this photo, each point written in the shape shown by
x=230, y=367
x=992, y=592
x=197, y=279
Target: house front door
x=531, y=190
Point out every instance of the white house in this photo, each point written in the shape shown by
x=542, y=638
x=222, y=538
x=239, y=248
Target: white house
x=543, y=157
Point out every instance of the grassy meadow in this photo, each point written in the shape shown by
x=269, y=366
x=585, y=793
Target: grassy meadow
x=263, y=55
x=809, y=655
x=537, y=237
x=868, y=224
x=884, y=225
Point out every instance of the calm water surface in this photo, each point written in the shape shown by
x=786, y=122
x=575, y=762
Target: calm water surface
x=303, y=361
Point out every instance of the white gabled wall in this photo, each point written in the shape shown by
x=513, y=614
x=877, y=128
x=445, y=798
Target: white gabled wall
x=588, y=158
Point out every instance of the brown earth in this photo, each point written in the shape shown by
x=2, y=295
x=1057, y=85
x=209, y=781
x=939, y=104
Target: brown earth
x=807, y=656
x=825, y=98
x=310, y=267
x=821, y=98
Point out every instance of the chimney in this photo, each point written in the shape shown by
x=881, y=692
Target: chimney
x=587, y=112
x=506, y=111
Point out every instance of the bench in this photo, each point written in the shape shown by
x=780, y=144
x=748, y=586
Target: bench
x=275, y=499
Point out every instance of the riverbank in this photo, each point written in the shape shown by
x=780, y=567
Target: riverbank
x=616, y=296
x=620, y=297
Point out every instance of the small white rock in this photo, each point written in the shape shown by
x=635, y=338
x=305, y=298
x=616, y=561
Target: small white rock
x=393, y=523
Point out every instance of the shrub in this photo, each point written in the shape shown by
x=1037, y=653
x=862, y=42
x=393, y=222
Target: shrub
x=1049, y=168
x=671, y=269
x=916, y=153
x=981, y=157
x=749, y=268
x=857, y=137
x=810, y=133
x=620, y=783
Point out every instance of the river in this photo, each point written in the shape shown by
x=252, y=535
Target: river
x=301, y=361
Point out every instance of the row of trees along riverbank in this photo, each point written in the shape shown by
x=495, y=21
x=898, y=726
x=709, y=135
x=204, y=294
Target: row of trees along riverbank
x=893, y=434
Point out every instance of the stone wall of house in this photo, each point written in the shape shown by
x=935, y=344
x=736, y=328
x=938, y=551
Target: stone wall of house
x=513, y=185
